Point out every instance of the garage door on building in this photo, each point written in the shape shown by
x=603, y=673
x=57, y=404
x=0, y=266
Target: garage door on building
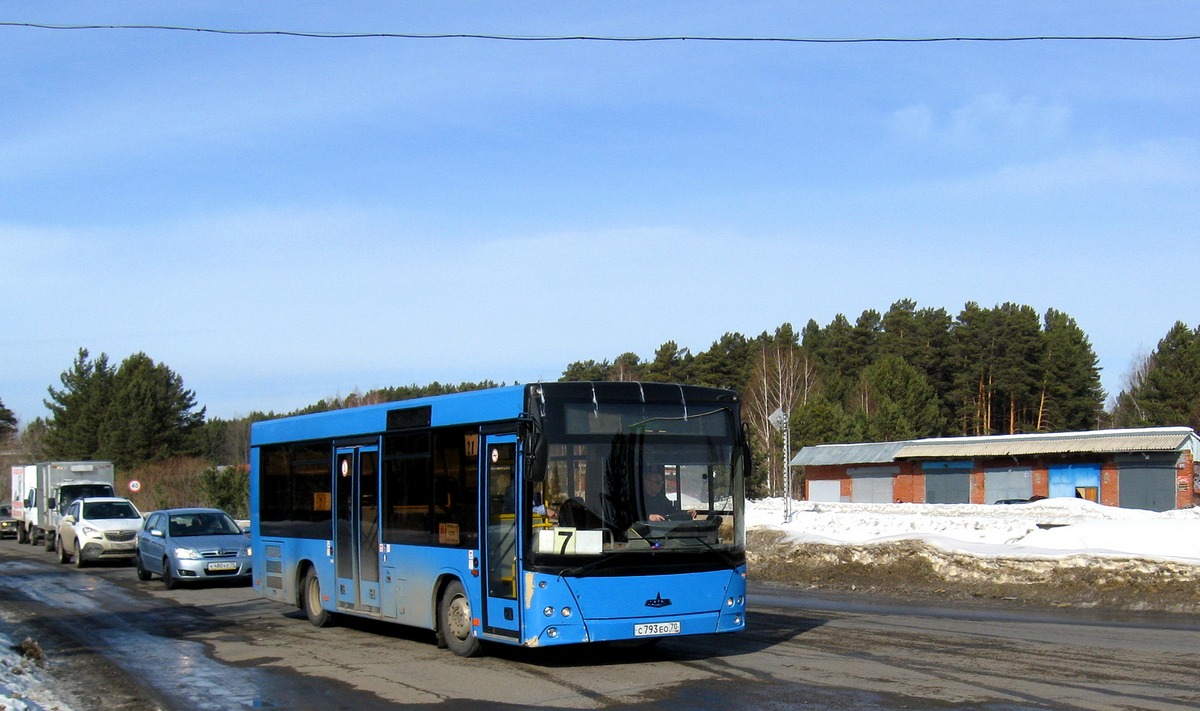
x=1076, y=480
x=1147, y=481
x=1007, y=484
x=827, y=490
x=872, y=485
x=947, y=482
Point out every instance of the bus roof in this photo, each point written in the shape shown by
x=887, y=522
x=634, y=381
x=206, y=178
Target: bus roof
x=491, y=405
x=476, y=406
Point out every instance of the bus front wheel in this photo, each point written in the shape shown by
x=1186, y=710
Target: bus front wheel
x=310, y=598
x=455, y=623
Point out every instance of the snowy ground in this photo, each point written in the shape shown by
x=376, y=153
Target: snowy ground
x=1050, y=530
x=23, y=682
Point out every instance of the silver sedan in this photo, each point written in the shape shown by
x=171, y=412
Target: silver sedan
x=192, y=545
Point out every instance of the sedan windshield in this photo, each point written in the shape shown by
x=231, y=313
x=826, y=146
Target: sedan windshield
x=202, y=524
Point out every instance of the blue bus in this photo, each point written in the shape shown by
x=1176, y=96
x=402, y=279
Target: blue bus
x=539, y=514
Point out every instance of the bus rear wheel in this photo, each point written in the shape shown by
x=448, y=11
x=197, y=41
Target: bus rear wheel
x=455, y=623
x=310, y=599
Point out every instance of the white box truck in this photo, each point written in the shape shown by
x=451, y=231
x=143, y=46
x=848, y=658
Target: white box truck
x=49, y=488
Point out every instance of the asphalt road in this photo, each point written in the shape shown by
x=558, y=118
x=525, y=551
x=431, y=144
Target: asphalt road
x=116, y=643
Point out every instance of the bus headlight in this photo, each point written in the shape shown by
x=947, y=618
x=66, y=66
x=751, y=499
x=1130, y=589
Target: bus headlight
x=551, y=632
x=566, y=612
x=548, y=612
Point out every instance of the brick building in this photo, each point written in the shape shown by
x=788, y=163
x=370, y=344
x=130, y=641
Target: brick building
x=1151, y=468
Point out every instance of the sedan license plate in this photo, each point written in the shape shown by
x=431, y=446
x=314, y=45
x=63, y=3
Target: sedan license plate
x=653, y=629
x=222, y=566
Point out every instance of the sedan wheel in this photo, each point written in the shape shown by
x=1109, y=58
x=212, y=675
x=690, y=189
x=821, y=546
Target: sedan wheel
x=170, y=582
x=142, y=573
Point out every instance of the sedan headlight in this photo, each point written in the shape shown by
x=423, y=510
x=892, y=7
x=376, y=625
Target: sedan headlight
x=186, y=554
x=249, y=552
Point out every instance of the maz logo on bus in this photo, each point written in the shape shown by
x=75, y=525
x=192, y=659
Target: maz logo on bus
x=658, y=601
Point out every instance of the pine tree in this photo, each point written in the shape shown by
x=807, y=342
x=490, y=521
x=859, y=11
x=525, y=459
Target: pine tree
x=1071, y=395
x=79, y=410
x=587, y=370
x=1018, y=366
x=150, y=416
x=1169, y=391
x=8, y=422
x=671, y=364
x=724, y=365
x=898, y=403
x=973, y=382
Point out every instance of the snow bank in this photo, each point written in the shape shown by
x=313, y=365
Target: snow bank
x=23, y=684
x=1052, y=528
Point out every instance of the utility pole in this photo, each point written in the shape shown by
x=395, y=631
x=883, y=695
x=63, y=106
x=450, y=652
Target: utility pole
x=779, y=420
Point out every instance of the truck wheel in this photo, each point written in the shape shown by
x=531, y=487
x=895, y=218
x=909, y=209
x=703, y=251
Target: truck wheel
x=310, y=599
x=50, y=539
x=454, y=621
x=22, y=534
x=62, y=551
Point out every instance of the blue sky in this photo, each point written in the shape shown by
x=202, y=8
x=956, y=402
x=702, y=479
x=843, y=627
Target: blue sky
x=281, y=219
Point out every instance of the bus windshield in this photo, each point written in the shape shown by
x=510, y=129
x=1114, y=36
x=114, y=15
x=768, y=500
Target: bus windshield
x=658, y=481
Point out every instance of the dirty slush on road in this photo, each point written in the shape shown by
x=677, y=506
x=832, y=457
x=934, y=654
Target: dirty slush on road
x=895, y=572
x=909, y=569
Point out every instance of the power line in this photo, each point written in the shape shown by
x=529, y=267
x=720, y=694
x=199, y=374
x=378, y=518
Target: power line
x=603, y=38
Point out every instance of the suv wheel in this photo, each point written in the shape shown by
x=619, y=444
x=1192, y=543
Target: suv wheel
x=79, y=561
x=62, y=551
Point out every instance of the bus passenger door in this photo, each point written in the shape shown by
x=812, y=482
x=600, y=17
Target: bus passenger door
x=502, y=579
x=356, y=529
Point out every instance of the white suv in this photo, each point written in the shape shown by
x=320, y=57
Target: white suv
x=101, y=528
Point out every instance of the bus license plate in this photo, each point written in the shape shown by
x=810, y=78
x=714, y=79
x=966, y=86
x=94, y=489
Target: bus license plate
x=653, y=629
x=222, y=566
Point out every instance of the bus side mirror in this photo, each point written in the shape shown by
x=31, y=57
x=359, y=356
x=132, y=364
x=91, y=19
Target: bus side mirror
x=536, y=451
x=51, y=502
x=535, y=459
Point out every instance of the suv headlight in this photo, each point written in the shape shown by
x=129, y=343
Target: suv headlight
x=91, y=532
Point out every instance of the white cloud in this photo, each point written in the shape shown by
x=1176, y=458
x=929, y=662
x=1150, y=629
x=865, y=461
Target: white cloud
x=987, y=121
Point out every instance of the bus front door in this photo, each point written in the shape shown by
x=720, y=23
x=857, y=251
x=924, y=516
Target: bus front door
x=500, y=547
x=356, y=547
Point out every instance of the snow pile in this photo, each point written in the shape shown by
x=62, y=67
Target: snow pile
x=23, y=683
x=1051, y=528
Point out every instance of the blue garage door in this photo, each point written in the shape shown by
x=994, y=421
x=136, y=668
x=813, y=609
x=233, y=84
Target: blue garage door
x=1075, y=481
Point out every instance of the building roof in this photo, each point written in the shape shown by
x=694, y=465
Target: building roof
x=865, y=453
x=1148, y=439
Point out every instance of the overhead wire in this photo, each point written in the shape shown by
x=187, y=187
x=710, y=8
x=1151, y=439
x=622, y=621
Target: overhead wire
x=608, y=38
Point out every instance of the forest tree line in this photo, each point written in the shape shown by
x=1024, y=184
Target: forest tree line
x=906, y=373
